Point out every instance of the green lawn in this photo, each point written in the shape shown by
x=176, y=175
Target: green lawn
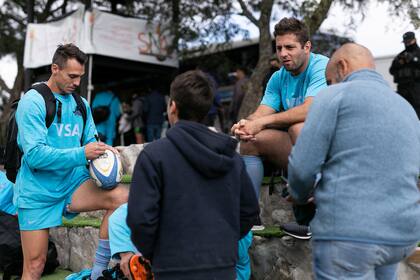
x=59, y=274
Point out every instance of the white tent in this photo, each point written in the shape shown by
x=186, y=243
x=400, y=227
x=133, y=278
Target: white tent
x=97, y=32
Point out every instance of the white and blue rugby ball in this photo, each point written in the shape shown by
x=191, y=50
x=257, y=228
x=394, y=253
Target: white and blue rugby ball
x=106, y=170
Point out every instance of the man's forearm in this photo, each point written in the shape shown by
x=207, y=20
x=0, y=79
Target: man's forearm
x=287, y=118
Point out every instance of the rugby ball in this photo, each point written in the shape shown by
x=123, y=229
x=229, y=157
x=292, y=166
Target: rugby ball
x=106, y=170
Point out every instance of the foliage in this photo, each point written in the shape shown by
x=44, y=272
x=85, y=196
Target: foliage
x=193, y=23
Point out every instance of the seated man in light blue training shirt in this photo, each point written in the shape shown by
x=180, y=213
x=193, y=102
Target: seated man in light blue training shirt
x=107, y=128
x=6, y=195
x=368, y=210
x=122, y=248
x=273, y=128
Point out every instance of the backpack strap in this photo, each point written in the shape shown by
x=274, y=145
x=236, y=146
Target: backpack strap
x=50, y=102
x=81, y=106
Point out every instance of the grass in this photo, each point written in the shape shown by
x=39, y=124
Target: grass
x=59, y=274
x=269, y=232
x=82, y=222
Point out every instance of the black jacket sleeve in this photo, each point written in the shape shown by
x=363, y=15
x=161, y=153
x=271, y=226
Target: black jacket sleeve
x=249, y=207
x=144, y=205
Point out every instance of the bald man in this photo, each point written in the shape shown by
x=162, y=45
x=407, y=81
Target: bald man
x=364, y=142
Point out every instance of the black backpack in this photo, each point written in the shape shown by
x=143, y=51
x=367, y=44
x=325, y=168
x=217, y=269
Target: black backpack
x=11, y=257
x=12, y=153
x=101, y=113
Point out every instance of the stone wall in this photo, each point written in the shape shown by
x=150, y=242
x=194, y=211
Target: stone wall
x=271, y=258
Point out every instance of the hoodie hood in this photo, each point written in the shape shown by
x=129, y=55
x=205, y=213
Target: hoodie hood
x=210, y=153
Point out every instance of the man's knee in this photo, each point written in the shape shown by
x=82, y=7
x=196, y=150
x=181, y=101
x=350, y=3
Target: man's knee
x=294, y=131
x=118, y=196
x=248, y=148
x=34, y=265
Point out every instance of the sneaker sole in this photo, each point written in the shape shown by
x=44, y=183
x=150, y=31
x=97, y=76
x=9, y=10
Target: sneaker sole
x=297, y=236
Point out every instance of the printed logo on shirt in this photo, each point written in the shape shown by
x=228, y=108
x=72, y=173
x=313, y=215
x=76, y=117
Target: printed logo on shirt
x=67, y=130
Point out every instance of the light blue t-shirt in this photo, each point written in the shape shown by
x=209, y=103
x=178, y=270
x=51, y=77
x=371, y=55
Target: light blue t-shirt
x=53, y=162
x=119, y=233
x=6, y=195
x=287, y=91
x=107, y=128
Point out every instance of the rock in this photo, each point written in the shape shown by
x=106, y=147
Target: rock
x=274, y=259
x=75, y=246
x=128, y=155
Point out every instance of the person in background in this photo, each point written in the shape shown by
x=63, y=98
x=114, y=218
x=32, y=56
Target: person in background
x=275, y=66
x=107, y=127
x=137, y=117
x=154, y=114
x=406, y=71
x=238, y=93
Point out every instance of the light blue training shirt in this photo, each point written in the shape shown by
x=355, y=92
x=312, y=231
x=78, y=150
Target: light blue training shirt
x=53, y=162
x=287, y=91
x=6, y=195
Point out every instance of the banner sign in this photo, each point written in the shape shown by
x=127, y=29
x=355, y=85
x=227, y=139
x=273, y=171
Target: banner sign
x=97, y=32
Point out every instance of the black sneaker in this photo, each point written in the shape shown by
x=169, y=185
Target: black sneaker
x=296, y=231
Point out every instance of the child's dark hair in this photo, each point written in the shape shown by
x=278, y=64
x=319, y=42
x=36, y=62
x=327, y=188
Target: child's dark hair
x=192, y=93
x=66, y=52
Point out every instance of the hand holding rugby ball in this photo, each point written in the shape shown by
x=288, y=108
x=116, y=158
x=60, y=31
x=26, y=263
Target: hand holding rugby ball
x=106, y=170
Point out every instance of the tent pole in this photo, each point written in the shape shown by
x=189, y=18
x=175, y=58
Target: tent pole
x=90, y=86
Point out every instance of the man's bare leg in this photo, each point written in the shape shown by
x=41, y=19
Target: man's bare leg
x=35, y=248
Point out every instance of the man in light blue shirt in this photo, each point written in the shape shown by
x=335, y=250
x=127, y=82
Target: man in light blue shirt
x=53, y=180
x=272, y=129
x=107, y=128
x=364, y=140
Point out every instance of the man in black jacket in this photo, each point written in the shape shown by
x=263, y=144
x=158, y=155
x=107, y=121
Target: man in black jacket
x=191, y=199
x=406, y=71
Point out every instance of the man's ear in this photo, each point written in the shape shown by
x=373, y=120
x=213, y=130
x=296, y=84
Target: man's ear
x=342, y=68
x=54, y=68
x=173, y=108
x=307, y=46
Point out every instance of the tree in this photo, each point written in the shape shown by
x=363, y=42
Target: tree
x=193, y=23
x=313, y=13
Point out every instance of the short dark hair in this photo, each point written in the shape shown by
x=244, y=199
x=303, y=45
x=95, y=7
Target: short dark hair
x=292, y=26
x=66, y=52
x=193, y=95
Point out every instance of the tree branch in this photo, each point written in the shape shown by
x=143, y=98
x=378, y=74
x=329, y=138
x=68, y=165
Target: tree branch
x=314, y=20
x=246, y=12
x=4, y=87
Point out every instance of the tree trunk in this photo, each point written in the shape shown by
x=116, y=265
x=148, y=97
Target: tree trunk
x=253, y=89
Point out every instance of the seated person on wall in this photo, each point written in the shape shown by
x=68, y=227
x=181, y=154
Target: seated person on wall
x=272, y=129
x=191, y=199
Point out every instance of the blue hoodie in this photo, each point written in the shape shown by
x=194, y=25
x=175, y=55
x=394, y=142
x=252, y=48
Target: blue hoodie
x=53, y=162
